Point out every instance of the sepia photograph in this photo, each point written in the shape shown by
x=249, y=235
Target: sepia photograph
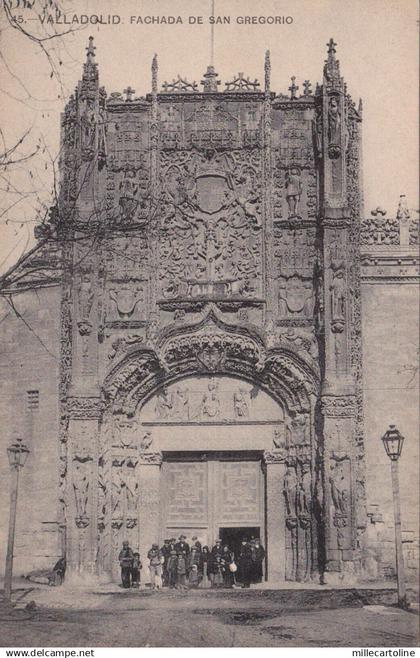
x=209, y=325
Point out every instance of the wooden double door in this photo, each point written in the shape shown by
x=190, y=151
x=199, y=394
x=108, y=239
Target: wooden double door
x=211, y=496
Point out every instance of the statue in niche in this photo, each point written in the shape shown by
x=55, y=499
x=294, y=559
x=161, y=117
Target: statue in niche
x=293, y=190
x=131, y=488
x=117, y=487
x=304, y=491
x=81, y=488
x=338, y=300
x=146, y=441
x=299, y=429
x=334, y=121
x=210, y=406
x=88, y=124
x=128, y=188
x=240, y=404
x=181, y=403
x=339, y=490
x=85, y=296
x=289, y=490
x=164, y=403
x=279, y=438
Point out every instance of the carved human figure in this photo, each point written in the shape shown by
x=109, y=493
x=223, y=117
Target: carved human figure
x=117, y=487
x=289, y=490
x=293, y=190
x=86, y=295
x=81, y=487
x=131, y=488
x=338, y=296
x=299, y=427
x=339, y=490
x=304, y=491
x=128, y=194
x=240, y=404
x=181, y=403
x=146, y=441
x=210, y=406
x=247, y=197
x=334, y=121
x=88, y=124
x=164, y=403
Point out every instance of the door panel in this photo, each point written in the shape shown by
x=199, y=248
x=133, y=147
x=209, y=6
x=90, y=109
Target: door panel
x=199, y=497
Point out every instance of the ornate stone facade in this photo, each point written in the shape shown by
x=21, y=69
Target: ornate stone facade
x=215, y=237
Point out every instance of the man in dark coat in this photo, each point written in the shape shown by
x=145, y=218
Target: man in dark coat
x=126, y=562
x=181, y=546
x=258, y=555
x=245, y=563
x=217, y=549
x=165, y=551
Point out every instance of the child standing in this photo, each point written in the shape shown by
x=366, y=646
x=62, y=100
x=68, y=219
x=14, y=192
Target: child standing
x=172, y=567
x=135, y=570
x=181, y=570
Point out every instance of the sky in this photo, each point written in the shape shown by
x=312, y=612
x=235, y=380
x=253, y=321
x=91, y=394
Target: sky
x=377, y=45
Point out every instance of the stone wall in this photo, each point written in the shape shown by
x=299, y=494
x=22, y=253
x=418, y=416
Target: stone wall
x=28, y=408
x=390, y=369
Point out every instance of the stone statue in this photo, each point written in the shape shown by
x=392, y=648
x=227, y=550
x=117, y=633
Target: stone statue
x=289, y=490
x=334, y=121
x=146, y=441
x=339, y=491
x=304, y=491
x=210, y=406
x=164, y=403
x=338, y=298
x=85, y=296
x=293, y=190
x=81, y=488
x=240, y=404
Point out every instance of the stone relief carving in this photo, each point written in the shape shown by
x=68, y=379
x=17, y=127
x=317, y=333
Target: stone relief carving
x=293, y=188
x=241, y=403
x=126, y=299
x=210, y=243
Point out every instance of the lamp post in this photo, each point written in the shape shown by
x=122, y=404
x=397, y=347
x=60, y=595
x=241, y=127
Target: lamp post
x=17, y=453
x=393, y=443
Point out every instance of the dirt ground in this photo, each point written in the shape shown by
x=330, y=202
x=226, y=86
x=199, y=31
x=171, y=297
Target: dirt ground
x=130, y=618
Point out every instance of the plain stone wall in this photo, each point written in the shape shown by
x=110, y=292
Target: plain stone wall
x=29, y=361
x=390, y=364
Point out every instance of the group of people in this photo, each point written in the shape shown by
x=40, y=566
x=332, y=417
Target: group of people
x=178, y=564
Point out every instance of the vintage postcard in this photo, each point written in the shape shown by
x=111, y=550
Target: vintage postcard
x=209, y=304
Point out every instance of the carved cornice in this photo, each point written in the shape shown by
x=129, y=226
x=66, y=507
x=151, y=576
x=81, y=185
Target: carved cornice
x=82, y=408
x=339, y=406
x=150, y=458
x=275, y=456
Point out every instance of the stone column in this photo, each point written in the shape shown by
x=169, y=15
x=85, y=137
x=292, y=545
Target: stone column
x=149, y=504
x=82, y=489
x=275, y=515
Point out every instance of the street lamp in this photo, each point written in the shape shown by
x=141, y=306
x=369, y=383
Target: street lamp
x=393, y=442
x=17, y=454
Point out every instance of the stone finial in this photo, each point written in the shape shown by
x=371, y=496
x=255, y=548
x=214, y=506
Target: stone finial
x=378, y=211
x=267, y=72
x=403, y=212
x=210, y=81
x=307, y=91
x=129, y=94
x=332, y=65
x=293, y=88
x=154, y=74
x=90, y=68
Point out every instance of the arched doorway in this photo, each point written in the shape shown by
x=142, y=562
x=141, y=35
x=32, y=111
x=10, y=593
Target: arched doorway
x=212, y=434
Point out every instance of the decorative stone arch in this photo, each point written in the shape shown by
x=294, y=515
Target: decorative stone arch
x=293, y=478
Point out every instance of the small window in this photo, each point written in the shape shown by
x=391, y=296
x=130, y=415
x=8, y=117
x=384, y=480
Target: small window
x=33, y=400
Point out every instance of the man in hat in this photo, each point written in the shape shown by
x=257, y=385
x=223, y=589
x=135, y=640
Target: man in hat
x=165, y=552
x=258, y=555
x=181, y=546
x=155, y=566
x=195, y=543
x=126, y=562
x=217, y=548
x=245, y=563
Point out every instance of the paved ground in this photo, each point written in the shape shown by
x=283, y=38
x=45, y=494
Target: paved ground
x=202, y=619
